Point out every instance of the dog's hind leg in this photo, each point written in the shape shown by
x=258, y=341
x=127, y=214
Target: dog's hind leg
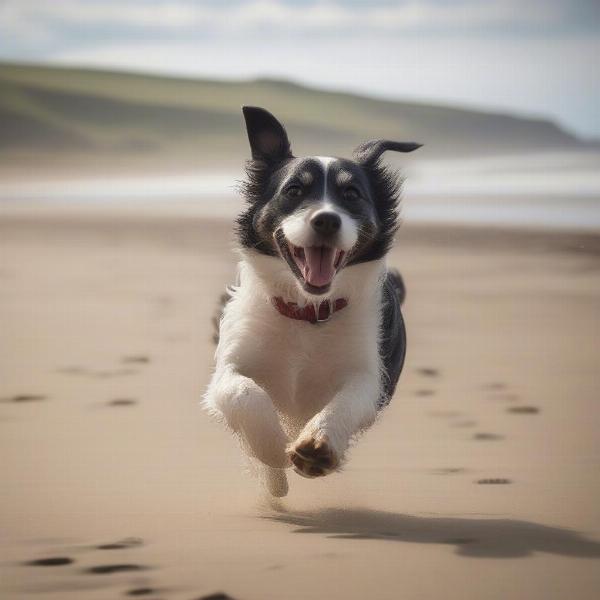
x=249, y=412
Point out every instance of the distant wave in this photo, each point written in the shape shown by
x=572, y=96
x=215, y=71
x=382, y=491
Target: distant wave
x=540, y=190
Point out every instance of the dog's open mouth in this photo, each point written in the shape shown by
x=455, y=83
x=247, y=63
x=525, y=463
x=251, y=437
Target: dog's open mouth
x=317, y=265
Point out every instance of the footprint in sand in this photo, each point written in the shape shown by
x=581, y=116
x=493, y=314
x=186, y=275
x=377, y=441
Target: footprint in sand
x=26, y=398
x=96, y=374
x=53, y=561
x=449, y=471
x=122, y=402
x=500, y=391
x=494, y=481
x=217, y=596
x=135, y=359
x=523, y=410
x=116, y=568
x=424, y=392
x=428, y=371
x=113, y=373
x=143, y=591
x=488, y=436
x=72, y=370
x=130, y=542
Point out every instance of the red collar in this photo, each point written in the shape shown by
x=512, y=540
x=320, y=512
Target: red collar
x=308, y=313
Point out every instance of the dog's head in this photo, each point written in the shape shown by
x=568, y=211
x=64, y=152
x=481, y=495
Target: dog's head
x=318, y=214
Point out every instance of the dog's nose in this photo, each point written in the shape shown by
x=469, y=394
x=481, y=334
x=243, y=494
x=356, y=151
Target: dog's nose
x=326, y=223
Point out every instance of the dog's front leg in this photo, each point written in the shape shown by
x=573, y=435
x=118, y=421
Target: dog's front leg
x=249, y=411
x=321, y=445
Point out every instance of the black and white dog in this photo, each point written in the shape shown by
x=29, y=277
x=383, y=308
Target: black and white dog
x=311, y=340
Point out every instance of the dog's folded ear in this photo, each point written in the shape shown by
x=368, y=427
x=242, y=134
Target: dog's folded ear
x=369, y=152
x=267, y=136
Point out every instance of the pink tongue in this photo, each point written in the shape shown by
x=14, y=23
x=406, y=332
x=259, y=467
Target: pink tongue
x=319, y=269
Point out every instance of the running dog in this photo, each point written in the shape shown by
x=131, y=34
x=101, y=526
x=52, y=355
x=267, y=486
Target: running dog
x=311, y=340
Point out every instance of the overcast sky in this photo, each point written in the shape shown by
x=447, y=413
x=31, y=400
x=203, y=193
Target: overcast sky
x=526, y=56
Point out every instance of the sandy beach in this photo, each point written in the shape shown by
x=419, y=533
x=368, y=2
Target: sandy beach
x=481, y=480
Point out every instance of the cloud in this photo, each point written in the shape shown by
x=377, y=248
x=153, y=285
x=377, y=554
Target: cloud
x=511, y=75
x=519, y=55
x=281, y=17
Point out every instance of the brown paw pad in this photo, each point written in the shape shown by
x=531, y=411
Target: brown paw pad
x=313, y=458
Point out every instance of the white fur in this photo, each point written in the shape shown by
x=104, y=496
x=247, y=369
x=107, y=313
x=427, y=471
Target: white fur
x=279, y=381
x=298, y=231
x=297, y=228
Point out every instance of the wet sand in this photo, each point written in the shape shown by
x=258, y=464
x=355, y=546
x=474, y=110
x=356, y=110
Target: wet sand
x=481, y=479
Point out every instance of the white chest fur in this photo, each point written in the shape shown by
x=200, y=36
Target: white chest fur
x=302, y=365
x=278, y=379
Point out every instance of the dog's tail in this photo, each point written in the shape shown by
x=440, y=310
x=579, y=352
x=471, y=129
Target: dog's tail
x=397, y=284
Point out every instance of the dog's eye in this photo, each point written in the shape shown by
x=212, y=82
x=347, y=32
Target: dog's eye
x=293, y=191
x=351, y=194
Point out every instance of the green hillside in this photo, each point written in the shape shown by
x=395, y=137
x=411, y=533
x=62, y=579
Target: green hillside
x=53, y=111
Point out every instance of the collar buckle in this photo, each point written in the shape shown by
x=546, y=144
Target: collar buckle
x=329, y=312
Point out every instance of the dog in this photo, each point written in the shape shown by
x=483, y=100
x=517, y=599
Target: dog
x=311, y=340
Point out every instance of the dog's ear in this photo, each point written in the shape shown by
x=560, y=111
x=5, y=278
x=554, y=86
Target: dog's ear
x=369, y=152
x=267, y=136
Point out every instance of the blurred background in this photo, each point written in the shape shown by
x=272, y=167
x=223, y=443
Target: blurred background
x=121, y=145
x=504, y=94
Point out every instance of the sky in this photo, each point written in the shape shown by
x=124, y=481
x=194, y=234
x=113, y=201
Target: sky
x=530, y=57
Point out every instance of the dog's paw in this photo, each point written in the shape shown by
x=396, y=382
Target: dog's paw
x=313, y=457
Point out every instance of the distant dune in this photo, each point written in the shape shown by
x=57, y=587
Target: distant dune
x=51, y=112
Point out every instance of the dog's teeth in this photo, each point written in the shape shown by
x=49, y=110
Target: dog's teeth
x=298, y=252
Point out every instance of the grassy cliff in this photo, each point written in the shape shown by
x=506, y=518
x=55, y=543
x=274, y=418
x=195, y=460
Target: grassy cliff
x=51, y=111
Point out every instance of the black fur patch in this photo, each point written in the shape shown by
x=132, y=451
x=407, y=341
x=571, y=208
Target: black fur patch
x=254, y=190
x=386, y=187
x=392, y=346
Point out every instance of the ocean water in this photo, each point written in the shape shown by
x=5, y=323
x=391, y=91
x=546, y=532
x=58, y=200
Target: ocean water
x=558, y=190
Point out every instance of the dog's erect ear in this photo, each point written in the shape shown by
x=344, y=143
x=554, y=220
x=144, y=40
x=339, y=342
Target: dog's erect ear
x=267, y=136
x=369, y=152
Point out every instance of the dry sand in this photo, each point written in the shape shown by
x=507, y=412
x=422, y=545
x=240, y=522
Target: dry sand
x=481, y=480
